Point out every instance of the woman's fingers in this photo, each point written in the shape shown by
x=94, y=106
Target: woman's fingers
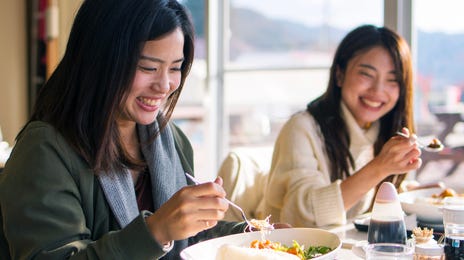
x=405, y=131
x=190, y=210
x=219, y=181
x=400, y=154
x=210, y=189
x=207, y=196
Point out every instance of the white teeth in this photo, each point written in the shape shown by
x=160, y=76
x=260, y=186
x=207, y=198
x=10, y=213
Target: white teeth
x=147, y=101
x=372, y=103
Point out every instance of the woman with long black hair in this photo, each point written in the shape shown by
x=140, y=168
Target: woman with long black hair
x=329, y=158
x=99, y=170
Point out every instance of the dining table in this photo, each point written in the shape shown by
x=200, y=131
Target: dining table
x=349, y=236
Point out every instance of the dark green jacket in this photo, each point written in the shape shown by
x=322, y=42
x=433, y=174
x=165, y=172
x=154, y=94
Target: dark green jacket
x=52, y=205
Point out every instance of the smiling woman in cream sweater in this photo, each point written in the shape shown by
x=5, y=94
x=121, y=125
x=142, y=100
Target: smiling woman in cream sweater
x=329, y=159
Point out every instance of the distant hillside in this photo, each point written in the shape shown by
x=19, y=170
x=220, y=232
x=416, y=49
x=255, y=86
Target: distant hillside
x=442, y=55
x=277, y=35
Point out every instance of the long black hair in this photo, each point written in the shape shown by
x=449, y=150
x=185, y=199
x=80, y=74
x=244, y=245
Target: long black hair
x=85, y=92
x=327, y=111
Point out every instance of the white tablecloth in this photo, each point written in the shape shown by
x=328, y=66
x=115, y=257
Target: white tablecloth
x=349, y=236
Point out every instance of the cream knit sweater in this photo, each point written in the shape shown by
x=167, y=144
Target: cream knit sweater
x=299, y=190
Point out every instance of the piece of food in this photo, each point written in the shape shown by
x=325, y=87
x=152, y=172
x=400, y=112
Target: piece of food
x=435, y=144
x=438, y=199
x=295, y=249
x=445, y=193
x=422, y=236
x=228, y=252
x=262, y=224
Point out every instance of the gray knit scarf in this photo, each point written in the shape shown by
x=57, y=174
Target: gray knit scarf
x=166, y=174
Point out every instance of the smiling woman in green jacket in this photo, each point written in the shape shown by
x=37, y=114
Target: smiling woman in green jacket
x=98, y=171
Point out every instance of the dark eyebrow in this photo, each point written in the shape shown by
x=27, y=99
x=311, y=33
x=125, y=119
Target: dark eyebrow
x=367, y=66
x=143, y=57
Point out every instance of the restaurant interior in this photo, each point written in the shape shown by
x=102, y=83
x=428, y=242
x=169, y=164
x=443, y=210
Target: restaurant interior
x=242, y=87
x=257, y=63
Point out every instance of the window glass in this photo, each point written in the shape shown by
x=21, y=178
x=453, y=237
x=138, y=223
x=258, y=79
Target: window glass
x=278, y=60
x=440, y=86
x=440, y=54
x=297, y=33
x=259, y=102
x=190, y=113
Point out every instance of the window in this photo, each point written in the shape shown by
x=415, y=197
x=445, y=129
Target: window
x=191, y=113
x=273, y=61
x=301, y=33
x=439, y=50
x=440, y=55
x=278, y=59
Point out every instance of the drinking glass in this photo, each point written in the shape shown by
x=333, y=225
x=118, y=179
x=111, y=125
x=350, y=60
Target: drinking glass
x=453, y=221
x=389, y=251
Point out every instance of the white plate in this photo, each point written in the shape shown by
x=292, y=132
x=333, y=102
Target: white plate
x=207, y=250
x=414, y=202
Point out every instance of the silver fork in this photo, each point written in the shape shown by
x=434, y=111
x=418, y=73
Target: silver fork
x=421, y=145
x=228, y=201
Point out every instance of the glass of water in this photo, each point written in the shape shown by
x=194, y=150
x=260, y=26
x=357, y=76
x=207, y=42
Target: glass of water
x=453, y=221
x=389, y=251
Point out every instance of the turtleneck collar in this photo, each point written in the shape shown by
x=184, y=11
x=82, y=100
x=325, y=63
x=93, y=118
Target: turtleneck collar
x=358, y=135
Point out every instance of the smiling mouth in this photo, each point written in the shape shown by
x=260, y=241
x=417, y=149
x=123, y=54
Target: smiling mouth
x=148, y=101
x=370, y=103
